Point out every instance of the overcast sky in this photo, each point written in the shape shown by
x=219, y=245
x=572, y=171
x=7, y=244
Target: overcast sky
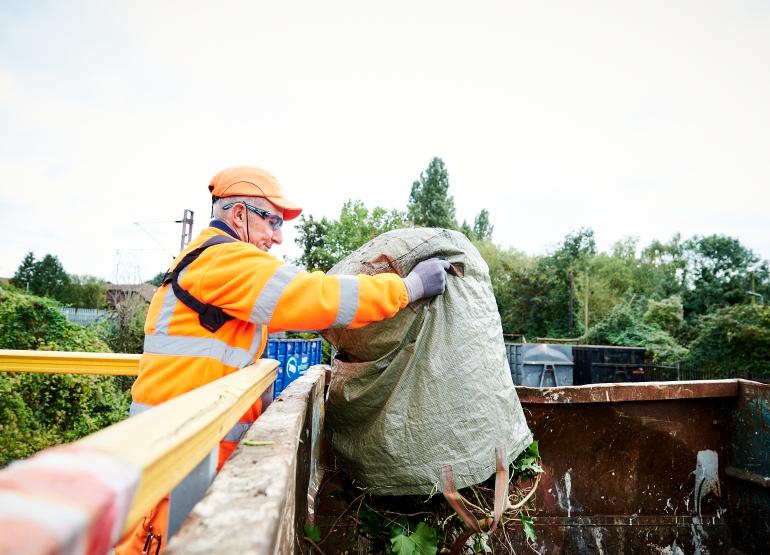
x=636, y=119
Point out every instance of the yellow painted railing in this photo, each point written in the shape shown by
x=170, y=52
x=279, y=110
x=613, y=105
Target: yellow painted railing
x=56, y=362
x=168, y=441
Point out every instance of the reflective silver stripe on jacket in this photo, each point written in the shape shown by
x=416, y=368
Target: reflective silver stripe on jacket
x=167, y=309
x=263, y=309
x=348, y=301
x=211, y=347
x=237, y=432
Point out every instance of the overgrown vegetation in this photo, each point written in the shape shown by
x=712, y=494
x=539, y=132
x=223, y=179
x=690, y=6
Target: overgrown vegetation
x=665, y=296
x=40, y=410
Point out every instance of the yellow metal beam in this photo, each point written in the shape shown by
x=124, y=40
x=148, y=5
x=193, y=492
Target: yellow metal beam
x=56, y=362
x=169, y=440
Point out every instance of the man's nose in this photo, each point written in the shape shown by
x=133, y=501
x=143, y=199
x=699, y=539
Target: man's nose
x=278, y=236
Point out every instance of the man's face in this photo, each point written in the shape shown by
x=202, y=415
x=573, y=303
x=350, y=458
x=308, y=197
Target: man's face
x=258, y=222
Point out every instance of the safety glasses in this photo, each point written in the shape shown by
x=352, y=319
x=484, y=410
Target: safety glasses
x=274, y=220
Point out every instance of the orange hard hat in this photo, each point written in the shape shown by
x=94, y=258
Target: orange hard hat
x=252, y=182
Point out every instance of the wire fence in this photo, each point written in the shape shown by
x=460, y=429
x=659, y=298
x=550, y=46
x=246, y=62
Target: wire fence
x=657, y=373
x=84, y=316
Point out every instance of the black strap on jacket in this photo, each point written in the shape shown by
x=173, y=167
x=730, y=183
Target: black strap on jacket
x=211, y=317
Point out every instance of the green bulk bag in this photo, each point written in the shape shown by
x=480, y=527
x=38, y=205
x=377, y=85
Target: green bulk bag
x=430, y=386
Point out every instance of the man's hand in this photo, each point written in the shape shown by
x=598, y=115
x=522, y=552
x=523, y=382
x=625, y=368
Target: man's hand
x=427, y=279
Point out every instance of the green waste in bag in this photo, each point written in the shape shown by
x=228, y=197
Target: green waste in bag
x=430, y=386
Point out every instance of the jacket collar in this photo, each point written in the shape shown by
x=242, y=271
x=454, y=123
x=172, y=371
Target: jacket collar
x=222, y=226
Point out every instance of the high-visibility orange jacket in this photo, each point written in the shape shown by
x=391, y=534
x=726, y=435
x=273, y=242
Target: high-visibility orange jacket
x=263, y=294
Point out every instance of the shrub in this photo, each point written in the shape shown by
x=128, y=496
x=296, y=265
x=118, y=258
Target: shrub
x=40, y=410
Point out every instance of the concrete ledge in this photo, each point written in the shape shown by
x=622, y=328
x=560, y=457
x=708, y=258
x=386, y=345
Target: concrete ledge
x=258, y=502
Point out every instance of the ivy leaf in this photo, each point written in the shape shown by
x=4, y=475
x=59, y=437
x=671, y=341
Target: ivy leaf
x=313, y=533
x=423, y=541
x=534, y=449
x=426, y=539
x=480, y=543
x=403, y=545
x=529, y=527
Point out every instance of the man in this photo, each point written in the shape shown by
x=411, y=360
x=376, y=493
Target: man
x=221, y=298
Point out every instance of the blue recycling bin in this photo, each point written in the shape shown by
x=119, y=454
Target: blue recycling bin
x=294, y=357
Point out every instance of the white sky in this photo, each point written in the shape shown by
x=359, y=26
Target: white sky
x=634, y=118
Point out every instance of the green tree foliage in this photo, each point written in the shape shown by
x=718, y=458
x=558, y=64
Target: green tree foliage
x=667, y=314
x=25, y=273
x=662, y=269
x=719, y=273
x=34, y=323
x=559, y=274
x=85, y=292
x=45, y=277
x=311, y=238
x=734, y=340
x=49, y=278
x=325, y=242
x=429, y=202
x=515, y=285
x=482, y=228
x=40, y=410
x=624, y=326
x=157, y=280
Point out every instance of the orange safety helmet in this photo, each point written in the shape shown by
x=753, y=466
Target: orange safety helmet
x=252, y=182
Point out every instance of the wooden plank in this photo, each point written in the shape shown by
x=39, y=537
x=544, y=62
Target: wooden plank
x=169, y=440
x=57, y=362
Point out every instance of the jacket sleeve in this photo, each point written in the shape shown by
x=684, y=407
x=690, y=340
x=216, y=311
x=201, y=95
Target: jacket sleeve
x=254, y=286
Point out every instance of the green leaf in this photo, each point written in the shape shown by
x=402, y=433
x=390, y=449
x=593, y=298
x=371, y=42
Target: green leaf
x=480, y=543
x=403, y=545
x=528, y=527
x=423, y=541
x=534, y=449
x=313, y=533
x=257, y=443
x=426, y=539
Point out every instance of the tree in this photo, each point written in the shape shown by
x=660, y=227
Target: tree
x=45, y=277
x=25, y=272
x=560, y=271
x=667, y=314
x=719, y=272
x=482, y=227
x=311, y=238
x=326, y=242
x=734, y=341
x=50, y=279
x=623, y=326
x=429, y=202
x=157, y=280
x=85, y=292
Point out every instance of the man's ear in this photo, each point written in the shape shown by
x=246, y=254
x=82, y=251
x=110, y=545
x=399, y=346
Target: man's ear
x=238, y=213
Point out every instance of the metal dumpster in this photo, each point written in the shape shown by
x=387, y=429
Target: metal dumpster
x=540, y=364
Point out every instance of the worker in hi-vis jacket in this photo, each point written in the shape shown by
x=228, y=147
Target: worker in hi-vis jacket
x=219, y=300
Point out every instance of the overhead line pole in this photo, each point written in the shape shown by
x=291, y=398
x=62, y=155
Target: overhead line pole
x=187, y=223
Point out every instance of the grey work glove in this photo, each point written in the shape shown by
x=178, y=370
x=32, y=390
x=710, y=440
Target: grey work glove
x=427, y=279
